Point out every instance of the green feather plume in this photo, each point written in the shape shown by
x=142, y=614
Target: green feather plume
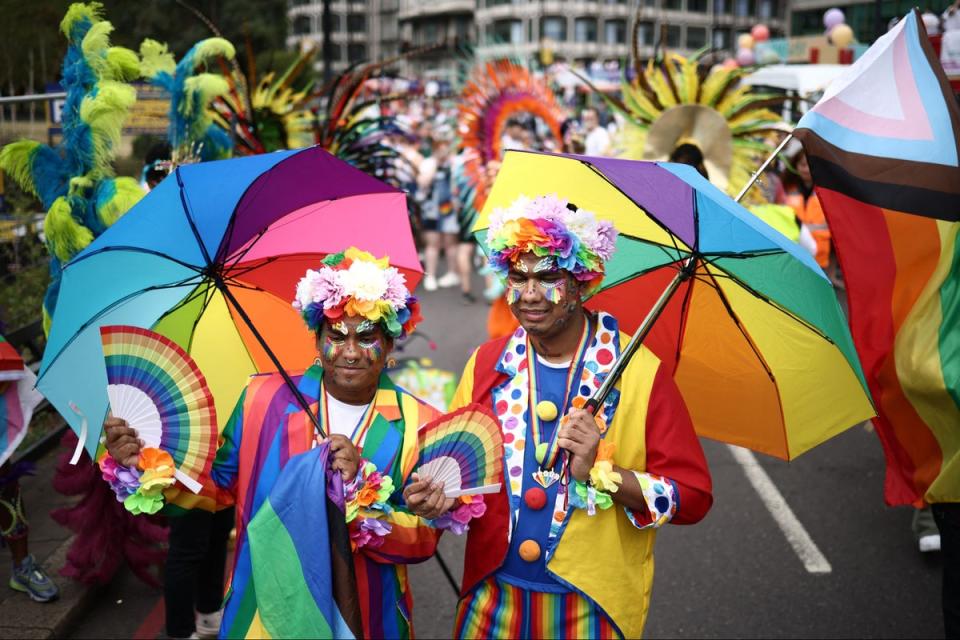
x=65, y=236
x=16, y=160
x=155, y=58
x=105, y=113
x=128, y=193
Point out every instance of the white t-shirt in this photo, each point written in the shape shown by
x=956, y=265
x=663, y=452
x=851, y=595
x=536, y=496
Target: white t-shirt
x=597, y=142
x=344, y=417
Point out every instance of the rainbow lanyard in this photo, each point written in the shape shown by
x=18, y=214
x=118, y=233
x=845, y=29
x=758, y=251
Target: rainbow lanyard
x=363, y=425
x=576, y=366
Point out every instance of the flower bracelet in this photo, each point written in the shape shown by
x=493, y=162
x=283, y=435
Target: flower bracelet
x=140, y=488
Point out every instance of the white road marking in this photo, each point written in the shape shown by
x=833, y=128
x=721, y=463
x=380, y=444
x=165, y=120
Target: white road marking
x=811, y=557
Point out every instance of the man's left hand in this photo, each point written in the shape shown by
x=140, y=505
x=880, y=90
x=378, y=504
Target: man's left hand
x=346, y=458
x=580, y=436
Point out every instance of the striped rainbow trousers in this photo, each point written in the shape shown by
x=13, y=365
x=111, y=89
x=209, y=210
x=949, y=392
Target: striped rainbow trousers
x=497, y=609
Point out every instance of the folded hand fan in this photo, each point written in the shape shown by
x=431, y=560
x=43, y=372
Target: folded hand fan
x=464, y=450
x=158, y=389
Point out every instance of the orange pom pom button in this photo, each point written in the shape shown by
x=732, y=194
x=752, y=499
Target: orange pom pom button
x=536, y=498
x=530, y=550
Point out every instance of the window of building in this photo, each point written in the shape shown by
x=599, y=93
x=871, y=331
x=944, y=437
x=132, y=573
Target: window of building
x=334, y=22
x=298, y=3
x=336, y=52
x=301, y=25
x=357, y=23
x=722, y=39
x=554, y=27
x=356, y=52
x=463, y=28
x=615, y=1
x=673, y=5
x=674, y=36
x=645, y=34
x=743, y=8
x=766, y=9
x=700, y=6
x=696, y=37
x=723, y=7
x=615, y=31
x=507, y=31
x=585, y=30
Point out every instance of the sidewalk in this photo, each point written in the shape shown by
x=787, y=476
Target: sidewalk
x=20, y=617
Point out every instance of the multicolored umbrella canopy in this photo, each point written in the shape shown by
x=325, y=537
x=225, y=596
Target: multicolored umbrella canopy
x=756, y=339
x=210, y=259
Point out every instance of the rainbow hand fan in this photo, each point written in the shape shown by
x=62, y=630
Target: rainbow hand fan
x=464, y=450
x=158, y=389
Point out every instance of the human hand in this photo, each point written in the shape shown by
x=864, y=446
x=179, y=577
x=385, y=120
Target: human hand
x=580, y=436
x=425, y=498
x=346, y=458
x=123, y=443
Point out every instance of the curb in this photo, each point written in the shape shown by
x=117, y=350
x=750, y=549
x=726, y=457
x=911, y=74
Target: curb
x=22, y=618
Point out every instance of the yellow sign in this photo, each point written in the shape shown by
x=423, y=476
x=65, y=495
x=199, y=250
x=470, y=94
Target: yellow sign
x=149, y=112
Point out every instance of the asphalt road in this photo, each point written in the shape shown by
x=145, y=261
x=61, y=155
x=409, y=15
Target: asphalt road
x=733, y=575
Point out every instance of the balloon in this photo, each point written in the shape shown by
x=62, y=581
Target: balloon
x=745, y=41
x=833, y=17
x=745, y=57
x=730, y=63
x=841, y=35
x=760, y=33
x=768, y=56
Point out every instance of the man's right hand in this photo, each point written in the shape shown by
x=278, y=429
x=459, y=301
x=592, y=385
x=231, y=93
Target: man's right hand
x=123, y=444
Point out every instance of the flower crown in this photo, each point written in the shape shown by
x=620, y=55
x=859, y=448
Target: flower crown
x=357, y=284
x=548, y=226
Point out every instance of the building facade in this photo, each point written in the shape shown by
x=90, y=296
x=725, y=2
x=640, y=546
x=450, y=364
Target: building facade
x=361, y=30
x=863, y=17
x=428, y=23
x=583, y=31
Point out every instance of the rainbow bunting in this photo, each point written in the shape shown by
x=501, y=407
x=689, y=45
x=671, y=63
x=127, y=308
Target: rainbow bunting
x=883, y=143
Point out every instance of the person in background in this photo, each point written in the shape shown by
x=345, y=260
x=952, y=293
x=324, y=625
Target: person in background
x=441, y=227
x=798, y=186
x=597, y=141
x=17, y=402
x=688, y=153
x=156, y=165
x=513, y=137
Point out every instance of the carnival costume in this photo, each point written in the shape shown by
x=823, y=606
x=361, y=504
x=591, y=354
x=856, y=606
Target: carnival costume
x=551, y=559
x=264, y=442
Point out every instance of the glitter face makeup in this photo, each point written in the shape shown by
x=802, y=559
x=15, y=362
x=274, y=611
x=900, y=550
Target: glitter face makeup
x=340, y=327
x=544, y=264
x=522, y=266
x=551, y=290
x=331, y=349
x=372, y=348
x=366, y=326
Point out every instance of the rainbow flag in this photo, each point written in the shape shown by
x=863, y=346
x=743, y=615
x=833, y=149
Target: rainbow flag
x=18, y=399
x=883, y=146
x=302, y=583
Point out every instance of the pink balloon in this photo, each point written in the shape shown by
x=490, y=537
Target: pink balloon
x=833, y=17
x=760, y=33
x=730, y=63
x=745, y=57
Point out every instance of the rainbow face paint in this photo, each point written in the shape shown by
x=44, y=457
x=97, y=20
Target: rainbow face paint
x=331, y=349
x=366, y=326
x=513, y=293
x=544, y=264
x=372, y=348
x=551, y=290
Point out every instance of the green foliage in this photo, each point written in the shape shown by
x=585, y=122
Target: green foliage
x=25, y=275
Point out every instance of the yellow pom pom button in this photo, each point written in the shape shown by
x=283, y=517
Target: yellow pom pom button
x=546, y=410
x=530, y=550
x=540, y=452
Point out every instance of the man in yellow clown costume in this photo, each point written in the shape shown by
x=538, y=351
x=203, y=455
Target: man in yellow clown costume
x=568, y=553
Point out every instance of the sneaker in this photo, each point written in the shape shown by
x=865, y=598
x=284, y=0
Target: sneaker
x=929, y=543
x=208, y=624
x=429, y=282
x=469, y=298
x=449, y=279
x=33, y=581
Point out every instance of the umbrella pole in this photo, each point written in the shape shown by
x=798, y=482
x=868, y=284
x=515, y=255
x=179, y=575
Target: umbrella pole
x=263, y=343
x=763, y=167
x=685, y=273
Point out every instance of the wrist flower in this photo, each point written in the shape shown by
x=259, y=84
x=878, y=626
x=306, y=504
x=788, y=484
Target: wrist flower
x=602, y=475
x=366, y=498
x=457, y=520
x=140, y=488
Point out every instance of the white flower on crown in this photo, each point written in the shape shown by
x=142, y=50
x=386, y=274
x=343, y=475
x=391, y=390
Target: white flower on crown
x=365, y=280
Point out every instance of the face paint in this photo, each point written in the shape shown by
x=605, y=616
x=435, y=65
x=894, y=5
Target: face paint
x=365, y=326
x=330, y=349
x=522, y=266
x=340, y=327
x=551, y=290
x=372, y=348
x=514, y=293
x=544, y=264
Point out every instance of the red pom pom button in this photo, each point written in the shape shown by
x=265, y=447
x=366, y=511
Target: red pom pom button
x=536, y=498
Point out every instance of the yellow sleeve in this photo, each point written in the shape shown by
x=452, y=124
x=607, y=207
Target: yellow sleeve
x=464, y=393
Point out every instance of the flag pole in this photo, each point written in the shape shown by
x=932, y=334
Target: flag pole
x=763, y=167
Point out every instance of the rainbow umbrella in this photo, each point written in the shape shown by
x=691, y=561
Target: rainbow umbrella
x=210, y=258
x=747, y=321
